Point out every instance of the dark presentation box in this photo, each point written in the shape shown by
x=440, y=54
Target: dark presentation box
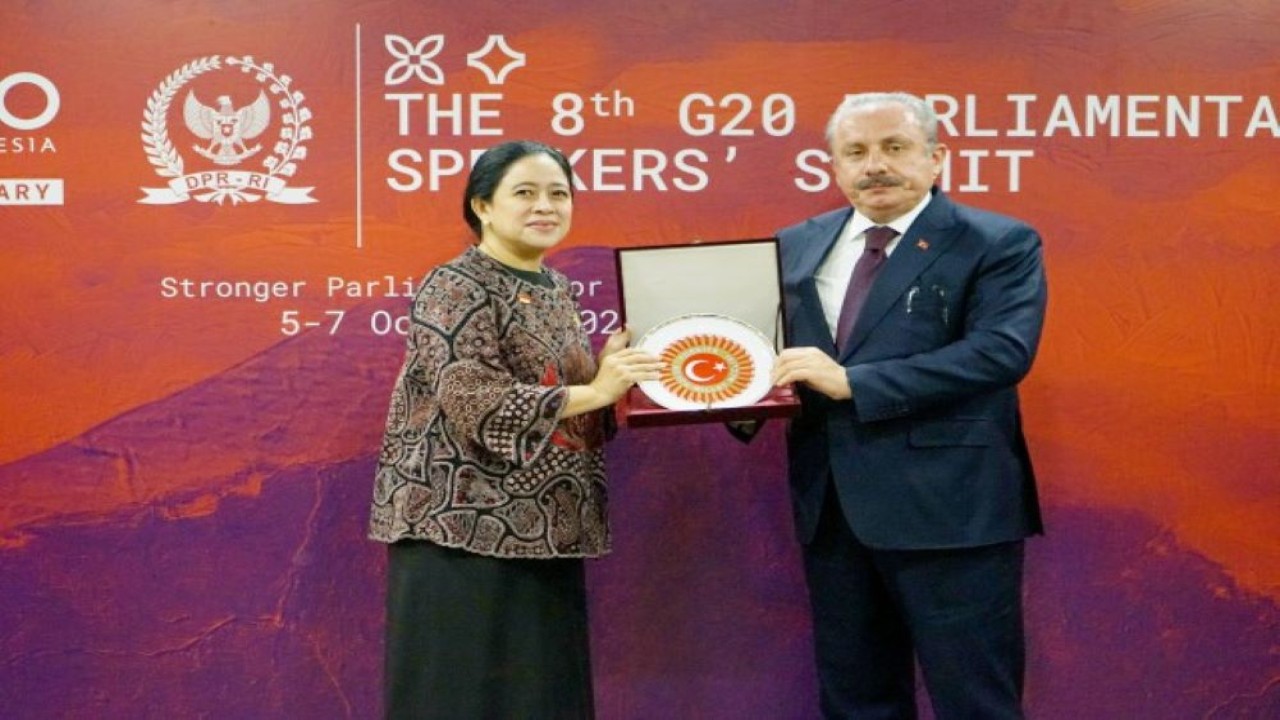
x=739, y=279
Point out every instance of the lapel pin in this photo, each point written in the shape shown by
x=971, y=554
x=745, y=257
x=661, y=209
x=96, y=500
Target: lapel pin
x=922, y=244
x=524, y=298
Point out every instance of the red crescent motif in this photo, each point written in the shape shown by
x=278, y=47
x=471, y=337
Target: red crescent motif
x=706, y=369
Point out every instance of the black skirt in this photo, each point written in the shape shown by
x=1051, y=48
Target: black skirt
x=471, y=637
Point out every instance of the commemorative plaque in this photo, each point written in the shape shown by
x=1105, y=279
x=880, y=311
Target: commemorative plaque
x=713, y=313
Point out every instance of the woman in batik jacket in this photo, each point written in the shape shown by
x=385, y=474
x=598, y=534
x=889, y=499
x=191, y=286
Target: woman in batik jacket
x=490, y=487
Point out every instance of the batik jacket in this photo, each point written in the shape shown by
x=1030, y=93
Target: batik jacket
x=476, y=455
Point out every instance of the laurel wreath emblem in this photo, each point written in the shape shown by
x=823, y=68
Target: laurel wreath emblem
x=294, y=129
x=155, y=131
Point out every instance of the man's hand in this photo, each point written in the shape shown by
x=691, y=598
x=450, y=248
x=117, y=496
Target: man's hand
x=814, y=368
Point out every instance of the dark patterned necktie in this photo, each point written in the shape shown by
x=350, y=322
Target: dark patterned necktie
x=864, y=273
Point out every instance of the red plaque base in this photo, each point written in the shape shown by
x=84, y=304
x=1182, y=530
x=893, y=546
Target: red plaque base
x=637, y=410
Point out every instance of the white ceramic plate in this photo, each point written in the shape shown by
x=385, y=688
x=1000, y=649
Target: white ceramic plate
x=710, y=361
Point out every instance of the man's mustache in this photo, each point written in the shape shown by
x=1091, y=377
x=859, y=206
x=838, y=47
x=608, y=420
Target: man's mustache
x=878, y=181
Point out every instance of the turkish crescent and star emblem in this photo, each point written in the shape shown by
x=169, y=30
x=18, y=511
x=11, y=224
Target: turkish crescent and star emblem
x=706, y=368
x=708, y=362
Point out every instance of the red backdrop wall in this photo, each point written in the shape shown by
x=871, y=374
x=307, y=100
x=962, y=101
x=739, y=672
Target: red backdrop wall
x=197, y=348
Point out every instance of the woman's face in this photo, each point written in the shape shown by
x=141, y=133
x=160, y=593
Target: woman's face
x=529, y=214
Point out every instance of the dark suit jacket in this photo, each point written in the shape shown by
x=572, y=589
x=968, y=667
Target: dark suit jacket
x=929, y=453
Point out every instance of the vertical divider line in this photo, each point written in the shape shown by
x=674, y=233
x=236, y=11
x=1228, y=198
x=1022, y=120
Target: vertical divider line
x=359, y=153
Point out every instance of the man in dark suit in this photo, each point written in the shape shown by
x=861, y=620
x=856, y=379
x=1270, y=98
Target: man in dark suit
x=912, y=485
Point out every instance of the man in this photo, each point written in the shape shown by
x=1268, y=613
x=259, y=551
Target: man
x=912, y=485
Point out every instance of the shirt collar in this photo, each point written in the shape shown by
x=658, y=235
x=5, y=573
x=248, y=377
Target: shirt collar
x=860, y=223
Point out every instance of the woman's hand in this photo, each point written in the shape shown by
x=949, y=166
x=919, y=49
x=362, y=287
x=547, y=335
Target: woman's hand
x=620, y=368
x=618, y=340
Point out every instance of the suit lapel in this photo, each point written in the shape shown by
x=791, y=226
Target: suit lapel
x=929, y=237
x=822, y=238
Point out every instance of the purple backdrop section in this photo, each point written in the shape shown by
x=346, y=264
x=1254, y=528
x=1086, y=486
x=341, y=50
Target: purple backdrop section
x=138, y=616
x=269, y=606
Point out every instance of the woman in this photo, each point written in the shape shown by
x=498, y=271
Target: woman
x=490, y=486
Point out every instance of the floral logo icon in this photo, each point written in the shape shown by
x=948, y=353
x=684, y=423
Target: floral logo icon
x=496, y=59
x=414, y=60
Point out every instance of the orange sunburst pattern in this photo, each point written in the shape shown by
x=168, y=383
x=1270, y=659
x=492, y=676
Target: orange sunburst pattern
x=706, y=368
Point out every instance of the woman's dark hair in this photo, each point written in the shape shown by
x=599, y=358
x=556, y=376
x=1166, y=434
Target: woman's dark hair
x=492, y=166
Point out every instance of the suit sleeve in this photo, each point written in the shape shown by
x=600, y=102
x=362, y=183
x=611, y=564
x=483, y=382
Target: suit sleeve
x=1003, y=310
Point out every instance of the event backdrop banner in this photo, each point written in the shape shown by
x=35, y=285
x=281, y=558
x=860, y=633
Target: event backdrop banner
x=214, y=213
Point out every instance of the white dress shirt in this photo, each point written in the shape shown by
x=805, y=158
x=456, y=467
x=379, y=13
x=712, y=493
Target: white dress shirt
x=837, y=268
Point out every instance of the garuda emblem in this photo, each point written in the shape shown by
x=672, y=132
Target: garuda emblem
x=226, y=132
x=226, y=128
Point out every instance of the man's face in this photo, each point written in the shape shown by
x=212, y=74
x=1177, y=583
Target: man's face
x=882, y=160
